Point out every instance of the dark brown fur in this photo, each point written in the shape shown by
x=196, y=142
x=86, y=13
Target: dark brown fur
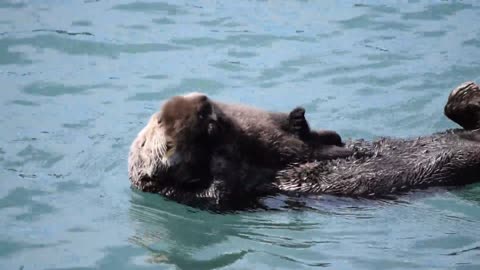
x=393, y=166
x=376, y=169
x=193, y=140
x=273, y=139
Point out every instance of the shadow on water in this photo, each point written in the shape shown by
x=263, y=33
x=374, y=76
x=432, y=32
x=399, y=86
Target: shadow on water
x=186, y=237
x=173, y=233
x=470, y=193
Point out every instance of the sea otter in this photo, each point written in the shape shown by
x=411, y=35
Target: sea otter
x=194, y=139
x=375, y=169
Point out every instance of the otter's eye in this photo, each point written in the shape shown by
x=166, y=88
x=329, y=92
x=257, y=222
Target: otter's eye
x=169, y=146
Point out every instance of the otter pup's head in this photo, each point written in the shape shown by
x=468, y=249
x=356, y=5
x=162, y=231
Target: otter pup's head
x=173, y=149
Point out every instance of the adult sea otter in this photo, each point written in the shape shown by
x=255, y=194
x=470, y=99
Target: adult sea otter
x=370, y=169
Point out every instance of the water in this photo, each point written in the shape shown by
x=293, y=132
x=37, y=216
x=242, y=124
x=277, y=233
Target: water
x=80, y=78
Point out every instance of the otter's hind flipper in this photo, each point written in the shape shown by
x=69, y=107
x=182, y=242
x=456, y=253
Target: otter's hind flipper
x=463, y=106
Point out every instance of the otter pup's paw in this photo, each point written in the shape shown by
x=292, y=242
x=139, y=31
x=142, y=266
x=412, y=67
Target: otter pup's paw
x=325, y=137
x=297, y=122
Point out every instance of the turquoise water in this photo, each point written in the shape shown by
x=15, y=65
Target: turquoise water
x=80, y=78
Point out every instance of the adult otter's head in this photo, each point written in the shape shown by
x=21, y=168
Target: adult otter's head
x=173, y=149
x=463, y=106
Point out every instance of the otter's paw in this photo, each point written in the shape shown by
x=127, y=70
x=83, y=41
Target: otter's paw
x=297, y=122
x=325, y=137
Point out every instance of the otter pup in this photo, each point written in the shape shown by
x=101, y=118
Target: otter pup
x=194, y=140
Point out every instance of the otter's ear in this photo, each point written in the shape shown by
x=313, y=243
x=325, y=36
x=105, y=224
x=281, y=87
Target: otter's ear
x=202, y=98
x=157, y=117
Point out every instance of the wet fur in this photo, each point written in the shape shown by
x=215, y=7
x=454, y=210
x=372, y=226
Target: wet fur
x=375, y=169
x=391, y=166
x=212, y=140
x=378, y=169
x=272, y=140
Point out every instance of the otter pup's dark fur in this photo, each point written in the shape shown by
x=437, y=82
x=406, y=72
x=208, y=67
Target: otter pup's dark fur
x=193, y=140
x=376, y=169
x=272, y=140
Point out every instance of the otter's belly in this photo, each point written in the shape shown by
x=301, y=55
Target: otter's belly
x=387, y=167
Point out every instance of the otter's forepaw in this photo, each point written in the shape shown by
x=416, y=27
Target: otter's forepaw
x=297, y=122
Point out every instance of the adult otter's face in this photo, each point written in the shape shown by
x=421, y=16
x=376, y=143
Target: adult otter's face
x=173, y=148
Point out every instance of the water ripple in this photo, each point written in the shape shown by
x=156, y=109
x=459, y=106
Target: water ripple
x=185, y=86
x=80, y=47
x=147, y=7
x=437, y=11
x=55, y=89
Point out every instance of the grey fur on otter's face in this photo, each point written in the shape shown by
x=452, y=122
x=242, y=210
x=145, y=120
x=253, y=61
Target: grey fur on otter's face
x=172, y=149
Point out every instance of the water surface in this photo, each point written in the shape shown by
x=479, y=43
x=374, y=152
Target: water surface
x=79, y=79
